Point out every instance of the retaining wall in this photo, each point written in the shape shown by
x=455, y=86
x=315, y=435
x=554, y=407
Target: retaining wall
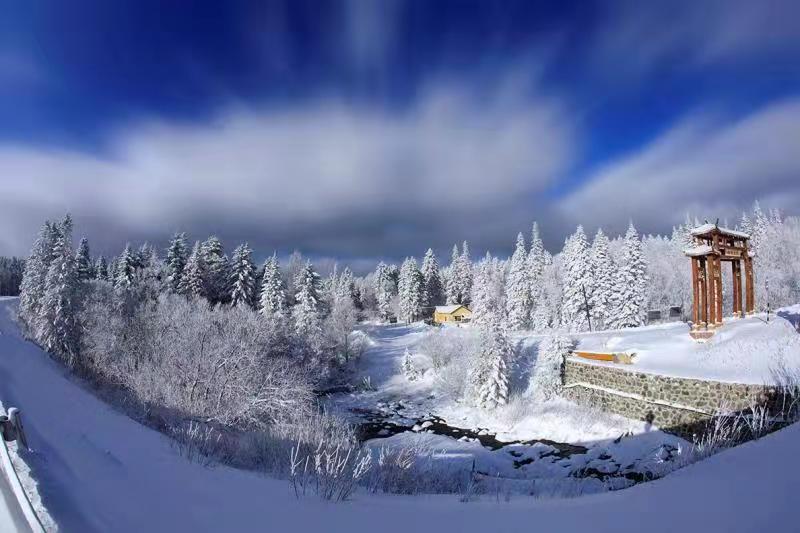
x=678, y=405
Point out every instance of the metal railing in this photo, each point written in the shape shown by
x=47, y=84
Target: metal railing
x=12, y=430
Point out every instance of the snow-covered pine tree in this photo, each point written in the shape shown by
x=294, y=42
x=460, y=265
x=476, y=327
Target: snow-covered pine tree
x=490, y=377
x=433, y=293
x=58, y=329
x=83, y=261
x=33, y=279
x=603, y=277
x=124, y=277
x=295, y=265
x=306, y=311
x=518, y=288
x=273, y=292
x=629, y=298
x=407, y=366
x=746, y=225
x=546, y=378
x=217, y=270
x=465, y=274
x=577, y=281
x=548, y=305
x=177, y=255
x=453, y=286
x=488, y=289
x=483, y=302
x=243, y=281
x=192, y=282
x=383, y=291
x=410, y=291
x=536, y=261
x=101, y=269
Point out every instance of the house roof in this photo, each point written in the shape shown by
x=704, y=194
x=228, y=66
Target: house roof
x=708, y=228
x=449, y=309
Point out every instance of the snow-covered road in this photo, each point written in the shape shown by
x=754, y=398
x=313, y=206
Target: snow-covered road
x=100, y=471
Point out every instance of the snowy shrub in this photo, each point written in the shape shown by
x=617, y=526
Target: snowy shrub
x=197, y=442
x=722, y=431
x=546, y=378
x=787, y=379
x=451, y=351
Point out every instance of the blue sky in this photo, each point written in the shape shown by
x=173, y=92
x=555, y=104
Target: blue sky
x=345, y=128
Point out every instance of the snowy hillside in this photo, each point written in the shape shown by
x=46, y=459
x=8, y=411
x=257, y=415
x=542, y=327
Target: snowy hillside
x=744, y=350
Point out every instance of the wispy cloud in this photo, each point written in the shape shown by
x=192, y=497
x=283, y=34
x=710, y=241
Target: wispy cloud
x=637, y=37
x=705, y=164
x=327, y=176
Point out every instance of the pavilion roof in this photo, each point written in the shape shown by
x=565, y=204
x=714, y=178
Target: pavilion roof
x=710, y=228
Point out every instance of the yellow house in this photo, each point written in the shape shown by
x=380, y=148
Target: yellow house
x=444, y=314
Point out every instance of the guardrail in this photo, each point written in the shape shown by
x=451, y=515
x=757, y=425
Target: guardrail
x=12, y=429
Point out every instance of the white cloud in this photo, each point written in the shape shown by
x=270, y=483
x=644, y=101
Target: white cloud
x=702, y=165
x=305, y=167
x=638, y=36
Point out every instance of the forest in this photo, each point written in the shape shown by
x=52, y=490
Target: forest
x=231, y=359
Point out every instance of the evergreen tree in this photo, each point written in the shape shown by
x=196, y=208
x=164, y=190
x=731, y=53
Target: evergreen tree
x=410, y=291
x=243, y=280
x=101, y=269
x=217, y=270
x=546, y=377
x=490, y=377
x=628, y=302
x=295, y=265
x=58, y=329
x=459, y=281
x=577, y=281
x=273, y=292
x=124, y=277
x=177, y=255
x=407, y=366
x=485, y=298
x=518, y=288
x=603, y=277
x=536, y=261
x=383, y=290
x=307, y=310
x=433, y=293
x=83, y=261
x=193, y=279
x=465, y=274
x=37, y=266
x=453, y=286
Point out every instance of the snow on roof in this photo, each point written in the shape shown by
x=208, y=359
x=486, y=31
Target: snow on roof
x=698, y=250
x=705, y=228
x=447, y=309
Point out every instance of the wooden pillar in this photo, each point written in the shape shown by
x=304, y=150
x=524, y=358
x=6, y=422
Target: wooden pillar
x=718, y=290
x=736, y=271
x=749, y=290
x=695, y=294
x=712, y=291
x=704, y=290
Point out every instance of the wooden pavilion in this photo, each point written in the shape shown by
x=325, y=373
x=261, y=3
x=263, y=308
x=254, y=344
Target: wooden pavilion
x=712, y=246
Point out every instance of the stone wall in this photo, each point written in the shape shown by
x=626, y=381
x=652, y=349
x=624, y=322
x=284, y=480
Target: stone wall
x=678, y=405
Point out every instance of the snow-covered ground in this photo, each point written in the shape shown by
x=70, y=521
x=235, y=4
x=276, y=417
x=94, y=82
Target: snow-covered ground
x=98, y=470
x=745, y=350
x=525, y=440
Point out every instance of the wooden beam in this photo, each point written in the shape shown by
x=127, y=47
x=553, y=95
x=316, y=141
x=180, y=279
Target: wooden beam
x=695, y=294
